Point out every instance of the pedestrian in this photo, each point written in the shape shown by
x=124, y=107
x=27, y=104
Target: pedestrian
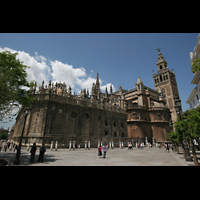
x=167, y=147
x=33, y=150
x=130, y=146
x=172, y=147
x=16, y=147
x=99, y=151
x=104, y=151
x=42, y=151
x=138, y=145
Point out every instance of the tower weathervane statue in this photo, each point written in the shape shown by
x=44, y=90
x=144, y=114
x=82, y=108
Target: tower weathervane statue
x=158, y=49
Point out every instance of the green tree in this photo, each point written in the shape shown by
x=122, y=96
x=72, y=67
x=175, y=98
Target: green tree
x=174, y=137
x=4, y=136
x=190, y=125
x=12, y=81
x=195, y=65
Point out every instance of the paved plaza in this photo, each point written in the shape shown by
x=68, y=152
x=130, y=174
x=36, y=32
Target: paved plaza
x=115, y=157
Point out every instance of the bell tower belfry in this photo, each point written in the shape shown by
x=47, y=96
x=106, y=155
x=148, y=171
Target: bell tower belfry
x=165, y=79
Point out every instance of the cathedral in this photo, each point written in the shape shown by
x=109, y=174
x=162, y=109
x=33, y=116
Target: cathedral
x=141, y=114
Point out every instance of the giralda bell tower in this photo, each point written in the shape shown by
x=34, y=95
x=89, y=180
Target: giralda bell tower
x=165, y=79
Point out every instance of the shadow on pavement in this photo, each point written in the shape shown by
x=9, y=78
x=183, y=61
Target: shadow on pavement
x=7, y=159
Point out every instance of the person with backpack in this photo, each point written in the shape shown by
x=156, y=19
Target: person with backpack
x=42, y=151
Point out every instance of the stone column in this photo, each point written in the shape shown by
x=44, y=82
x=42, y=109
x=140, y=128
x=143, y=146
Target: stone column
x=70, y=145
x=85, y=145
x=153, y=141
x=146, y=141
x=11, y=146
x=56, y=146
x=73, y=145
x=122, y=145
x=28, y=146
x=112, y=144
x=88, y=145
x=51, y=147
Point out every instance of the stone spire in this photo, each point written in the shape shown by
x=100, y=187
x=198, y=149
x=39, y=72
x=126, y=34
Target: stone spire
x=139, y=84
x=97, y=81
x=110, y=88
x=139, y=81
x=161, y=62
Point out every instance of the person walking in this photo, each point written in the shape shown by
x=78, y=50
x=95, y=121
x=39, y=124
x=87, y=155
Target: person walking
x=104, y=151
x=42, y=151
x=99, y=151
x=33, y=150
x=172, y=148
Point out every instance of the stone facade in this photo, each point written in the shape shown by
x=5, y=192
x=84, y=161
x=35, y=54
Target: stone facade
x=57, y=115
x=121, y=116
x=147, y=113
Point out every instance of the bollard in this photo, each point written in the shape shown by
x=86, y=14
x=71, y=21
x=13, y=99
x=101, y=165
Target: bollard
x=122, y=145
x=85, y=145
x=11, y=146
x=101, y=144
x=56, y=146
x=73, y=145
x=88, y=145
x=70, y=145
x=110, y=145
x=51, y=147
x=28, y=146
x=136, y=144
x=98, y=143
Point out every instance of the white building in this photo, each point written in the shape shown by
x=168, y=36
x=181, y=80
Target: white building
x=194, y=98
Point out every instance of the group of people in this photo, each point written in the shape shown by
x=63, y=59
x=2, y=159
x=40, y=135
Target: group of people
x=41, y=155
x=105, y=149
x=168, y=146
x=14, y=145
x=9, y=145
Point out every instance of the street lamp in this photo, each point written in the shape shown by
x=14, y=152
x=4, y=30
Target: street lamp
x=17, y=159
x=185, y=144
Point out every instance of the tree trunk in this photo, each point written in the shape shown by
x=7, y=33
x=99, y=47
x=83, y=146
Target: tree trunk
x=193, y=150
x=177, y=148
x=183, y=150
x=174, y=144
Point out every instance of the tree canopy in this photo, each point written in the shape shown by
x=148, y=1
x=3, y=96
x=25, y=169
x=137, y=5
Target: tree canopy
x=12, y=84
x=190, y=120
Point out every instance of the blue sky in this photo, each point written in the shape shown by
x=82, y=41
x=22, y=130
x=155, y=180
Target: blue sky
x=75, y=58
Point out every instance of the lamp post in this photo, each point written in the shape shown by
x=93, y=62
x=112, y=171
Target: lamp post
x=185, y=143
x=17, y=158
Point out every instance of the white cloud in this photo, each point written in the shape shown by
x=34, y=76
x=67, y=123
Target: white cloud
x=103, y=87
x=45, y=69
x=38, y=71
x=42, y=68
x=66, y=73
